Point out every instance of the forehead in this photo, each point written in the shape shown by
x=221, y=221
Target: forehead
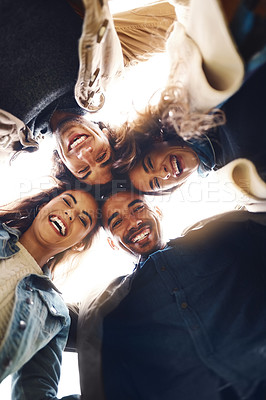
x=81, y=197
x=120, y=202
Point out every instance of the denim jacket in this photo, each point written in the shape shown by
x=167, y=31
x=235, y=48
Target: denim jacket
x=37, y=333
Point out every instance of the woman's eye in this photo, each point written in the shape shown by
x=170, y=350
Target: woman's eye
x=156, y=183
x=101, y=158
x=83, y=221
x=116, y=223
x=66, y=202
x=150, y=164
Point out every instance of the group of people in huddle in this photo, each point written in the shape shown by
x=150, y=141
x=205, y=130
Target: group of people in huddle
x=189, y=322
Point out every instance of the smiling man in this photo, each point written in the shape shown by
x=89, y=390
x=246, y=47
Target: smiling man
x=134, y=225
x=189, y=322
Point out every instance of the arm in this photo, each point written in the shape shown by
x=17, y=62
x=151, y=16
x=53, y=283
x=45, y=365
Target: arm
x=38, y=379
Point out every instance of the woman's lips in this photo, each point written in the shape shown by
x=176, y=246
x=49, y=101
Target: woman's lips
x=76, y=140
x=58, y=224
x=176, y=165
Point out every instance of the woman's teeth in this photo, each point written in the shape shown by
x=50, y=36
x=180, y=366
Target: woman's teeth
x=58, y=224
x=77, y=141
x=174, y=164
x=141, y=236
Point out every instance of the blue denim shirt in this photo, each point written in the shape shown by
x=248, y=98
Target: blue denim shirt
x=37, y=333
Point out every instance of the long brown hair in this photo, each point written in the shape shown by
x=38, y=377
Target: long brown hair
x=170, y=116
x=20, y=214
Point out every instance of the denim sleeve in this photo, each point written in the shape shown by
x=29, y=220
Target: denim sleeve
x=38, y=379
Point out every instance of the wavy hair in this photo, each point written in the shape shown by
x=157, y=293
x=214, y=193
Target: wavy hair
x=170, y=119
x=20, y=214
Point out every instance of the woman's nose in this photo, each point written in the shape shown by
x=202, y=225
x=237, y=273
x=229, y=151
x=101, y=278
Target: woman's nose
x=71, y=214
x=86, y=154
x=163, y=173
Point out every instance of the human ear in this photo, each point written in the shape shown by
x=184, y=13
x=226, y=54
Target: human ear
x=158, y=212
x=78, y=246
x=105, y=131
x=112, y=243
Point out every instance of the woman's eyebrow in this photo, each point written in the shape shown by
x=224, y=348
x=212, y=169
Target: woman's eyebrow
x=72, y=197
x=88, y=215
x=144, y=166
x=106, y=162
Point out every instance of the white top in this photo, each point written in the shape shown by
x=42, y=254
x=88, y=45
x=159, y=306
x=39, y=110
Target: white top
x=12, y=270
x=202, y=54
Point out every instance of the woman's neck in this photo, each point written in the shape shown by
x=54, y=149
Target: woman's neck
x=40, y=254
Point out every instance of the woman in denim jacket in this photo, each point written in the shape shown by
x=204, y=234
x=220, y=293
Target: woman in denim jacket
x=35, y=234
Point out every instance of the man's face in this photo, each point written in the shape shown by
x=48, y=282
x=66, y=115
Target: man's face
x=83, y=147
x=134, y=225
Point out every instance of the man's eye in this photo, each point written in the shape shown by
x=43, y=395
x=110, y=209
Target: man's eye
x=150, y=164
x=116, y=223
x=83, y=221
x=156, y=183
x=139, y=208
x=66, y=202
x=101, y=157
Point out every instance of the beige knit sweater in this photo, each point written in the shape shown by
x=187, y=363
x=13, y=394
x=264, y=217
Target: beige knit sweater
x=12, y=270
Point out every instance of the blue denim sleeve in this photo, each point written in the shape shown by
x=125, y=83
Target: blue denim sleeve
x=38, y=379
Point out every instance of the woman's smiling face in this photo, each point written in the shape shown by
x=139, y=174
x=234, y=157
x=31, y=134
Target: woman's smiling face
x=83, y=147
x=65, y=220
x=164, y=167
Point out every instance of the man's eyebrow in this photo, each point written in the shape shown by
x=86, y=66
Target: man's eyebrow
x=115, y=214
x=106, y=162
x=144, y=166
x=67, y=119
x=72, y=197
x=88, y=215
x=134, y=202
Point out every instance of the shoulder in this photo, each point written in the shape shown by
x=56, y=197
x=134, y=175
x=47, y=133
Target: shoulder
x=8, y=239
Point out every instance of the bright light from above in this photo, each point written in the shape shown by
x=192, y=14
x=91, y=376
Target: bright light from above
x=195, y=200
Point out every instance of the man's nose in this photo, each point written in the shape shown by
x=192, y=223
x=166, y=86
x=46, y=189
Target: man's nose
x=86, y=154
x=134, y=222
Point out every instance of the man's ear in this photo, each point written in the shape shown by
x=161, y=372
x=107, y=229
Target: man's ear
x=158, y=212
x=112, y=243
x=105, y=131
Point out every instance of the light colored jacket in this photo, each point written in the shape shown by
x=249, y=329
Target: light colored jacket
x=37, y=333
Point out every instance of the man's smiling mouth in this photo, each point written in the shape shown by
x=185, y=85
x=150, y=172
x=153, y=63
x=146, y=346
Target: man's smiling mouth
x=140, y=237
x=58, y=224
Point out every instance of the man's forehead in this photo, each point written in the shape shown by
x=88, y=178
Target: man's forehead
x=121, y=201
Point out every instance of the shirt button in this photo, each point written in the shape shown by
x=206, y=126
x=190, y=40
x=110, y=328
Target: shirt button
x=29, y=288
x=22, y=325
x=53, y=310
x=163, y=268
x=175, y=289
x=184, y=305
x=29, y=301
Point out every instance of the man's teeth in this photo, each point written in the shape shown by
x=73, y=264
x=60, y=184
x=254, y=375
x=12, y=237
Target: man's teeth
x=77, y=141
x=141, y=236
x=174, y=164
x=58, y=224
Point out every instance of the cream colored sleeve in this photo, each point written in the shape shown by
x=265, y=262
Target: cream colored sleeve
x=203, y=56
